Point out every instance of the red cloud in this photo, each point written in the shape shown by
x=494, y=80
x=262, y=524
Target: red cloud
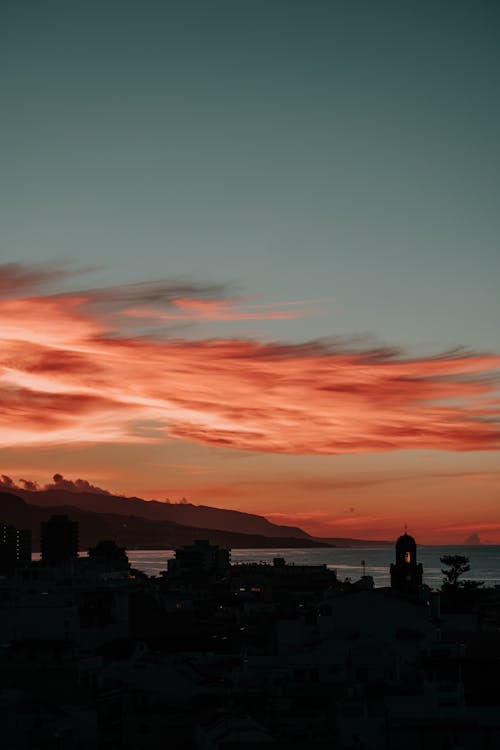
x=233, y=309
x=66, y=378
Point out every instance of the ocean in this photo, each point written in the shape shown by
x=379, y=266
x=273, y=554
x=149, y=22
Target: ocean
x=484, y=561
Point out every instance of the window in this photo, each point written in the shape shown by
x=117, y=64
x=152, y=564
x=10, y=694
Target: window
x=407, y=557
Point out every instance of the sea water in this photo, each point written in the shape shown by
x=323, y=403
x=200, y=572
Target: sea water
x=347, y=562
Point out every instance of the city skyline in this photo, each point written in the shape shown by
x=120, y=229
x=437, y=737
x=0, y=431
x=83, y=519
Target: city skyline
x=250, y=258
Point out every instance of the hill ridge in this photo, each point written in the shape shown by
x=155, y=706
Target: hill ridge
x=204, y=516
x=134, y=532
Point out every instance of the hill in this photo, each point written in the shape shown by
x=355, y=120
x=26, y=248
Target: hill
x=134, y=532
x=201, y=516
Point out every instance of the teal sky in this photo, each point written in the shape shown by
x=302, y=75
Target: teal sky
x=338, y=151
x=346, y=150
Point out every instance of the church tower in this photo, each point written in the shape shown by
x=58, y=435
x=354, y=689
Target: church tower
x=406, y=574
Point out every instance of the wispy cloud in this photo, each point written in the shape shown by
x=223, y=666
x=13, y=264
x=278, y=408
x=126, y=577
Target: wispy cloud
x=18, y=278
x=72, y=371
x=235, y=308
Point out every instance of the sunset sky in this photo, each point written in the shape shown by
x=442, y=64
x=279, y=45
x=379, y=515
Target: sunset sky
x=249, y=255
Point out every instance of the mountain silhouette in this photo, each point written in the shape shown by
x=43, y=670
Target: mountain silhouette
x=202, y=516
x=132, y=531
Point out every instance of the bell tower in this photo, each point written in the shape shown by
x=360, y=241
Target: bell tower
x=406, y=574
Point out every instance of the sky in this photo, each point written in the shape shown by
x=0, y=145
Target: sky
x=249, y=256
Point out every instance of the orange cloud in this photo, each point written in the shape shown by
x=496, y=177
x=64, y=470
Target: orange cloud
x=188, y=309
x=72, y=372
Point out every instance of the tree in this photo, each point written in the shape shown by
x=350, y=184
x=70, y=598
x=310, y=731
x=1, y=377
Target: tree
x=457, y=566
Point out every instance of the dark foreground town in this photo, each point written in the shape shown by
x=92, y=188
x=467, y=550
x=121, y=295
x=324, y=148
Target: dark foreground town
x=214, y=656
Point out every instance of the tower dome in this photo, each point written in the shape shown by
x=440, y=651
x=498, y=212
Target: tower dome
x=405, y=539
x=406, y=550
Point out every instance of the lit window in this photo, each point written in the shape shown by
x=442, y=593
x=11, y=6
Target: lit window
x=407, y=557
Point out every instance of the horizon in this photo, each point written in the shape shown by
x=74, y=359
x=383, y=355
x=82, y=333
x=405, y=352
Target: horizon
x=250, y=258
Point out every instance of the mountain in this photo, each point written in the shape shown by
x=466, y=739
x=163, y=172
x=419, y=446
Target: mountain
x=201, y=516
x=134, y=532
x=202, y=520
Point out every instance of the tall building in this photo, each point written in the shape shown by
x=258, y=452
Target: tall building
x=59, y=541
x=406, y=573
x=15, y=547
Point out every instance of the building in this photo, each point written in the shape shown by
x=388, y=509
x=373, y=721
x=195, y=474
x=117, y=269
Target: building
x=280, y=581
x=15, y=547
x=108, y=555
x=200, y=558
x=59, y=541
x=406, y=573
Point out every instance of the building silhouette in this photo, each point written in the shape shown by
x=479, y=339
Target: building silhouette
x=109, y=556
x=406, y=573
x=200, y=558
x=15, y=547
x=59, y=540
